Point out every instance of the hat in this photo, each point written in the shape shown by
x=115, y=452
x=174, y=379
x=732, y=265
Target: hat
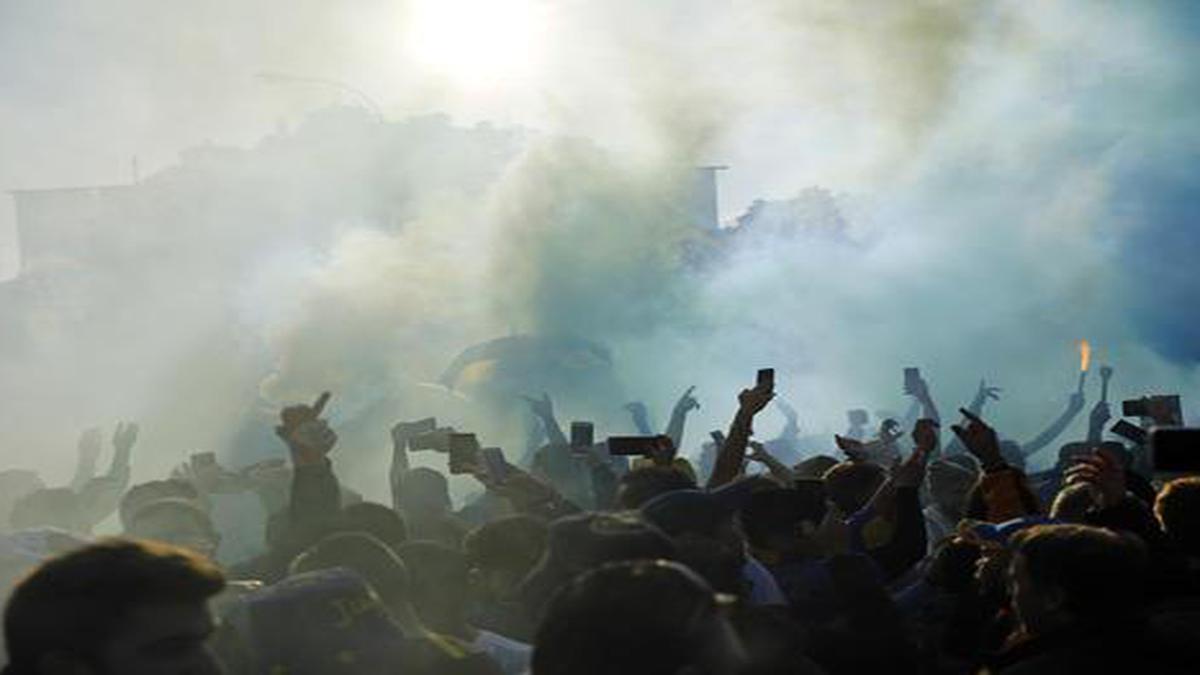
x=578, y=543
x=329, y=621
x=700, y=511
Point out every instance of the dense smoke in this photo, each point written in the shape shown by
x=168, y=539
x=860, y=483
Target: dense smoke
x=1011, y=178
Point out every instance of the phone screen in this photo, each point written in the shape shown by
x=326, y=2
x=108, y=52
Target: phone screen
x=464, y=452
x=582, y=434
x=911, y=377
x=631, y=445
x=766, y=378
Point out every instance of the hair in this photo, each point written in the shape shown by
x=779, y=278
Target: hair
x=173, y=507
x=1072, y=502
x=76, y=602
x=512, y=544
x=643, y=484
x=630, y=617
x=48, y=507
x=851, y=484
x=138, y=496
x=377, y=520
x=952, y=564
x=1100, y=573
x=1178, y=510
x=771, y=516
x=365, y=555
x=815, y=466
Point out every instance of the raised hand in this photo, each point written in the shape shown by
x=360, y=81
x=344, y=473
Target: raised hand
x=402, y=431
x=1100, y=415
x=752, y=401
x=925, y=435
x=980, y=440
x=911, y=471
x=125, y=436
x=543, y=407
x=985, y=392
x=687, y=402
x=635, y=408
x=854, y=449
x=1102, y=470
x=307, y=435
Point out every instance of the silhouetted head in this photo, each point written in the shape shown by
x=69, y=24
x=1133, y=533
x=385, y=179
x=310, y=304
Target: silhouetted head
x=426, y=494
x=51, y=507
x=502, y=552
x=1063, y=575
x=15, y=484
x=177, y=522
x=144, y=493
x=375, y=519
x=629, y=618
x=117, y=607
x=643, y=484
x=365, y=555
x=852, y=484
x=1178, y=511
x=1072, y=503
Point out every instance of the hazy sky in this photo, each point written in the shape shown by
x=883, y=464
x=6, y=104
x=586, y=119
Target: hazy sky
x=1021, y=174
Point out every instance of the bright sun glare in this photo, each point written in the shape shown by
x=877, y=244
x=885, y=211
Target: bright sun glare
x=477, y=43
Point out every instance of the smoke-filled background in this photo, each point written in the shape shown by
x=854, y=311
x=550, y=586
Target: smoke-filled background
x=307, y=195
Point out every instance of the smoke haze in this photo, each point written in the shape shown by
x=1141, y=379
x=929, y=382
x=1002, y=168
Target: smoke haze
x=1011, y=176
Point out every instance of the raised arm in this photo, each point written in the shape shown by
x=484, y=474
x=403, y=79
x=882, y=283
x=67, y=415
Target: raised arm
x=982, y=394
x=101, y=495
x=1047, y=436
x=733, y=451
x=88, y=448
x=124, y=438
x=641, y=417
x=315, y=493
x=679, y=413
x=919, y=390
x=543, y=409
x=779, y=471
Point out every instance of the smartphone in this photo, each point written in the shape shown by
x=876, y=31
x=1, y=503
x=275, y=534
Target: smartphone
x=912, y=378
x=766, y=378
x=858, y=417
x=437, y=440
x=717, y=437
x=464, y=452
x=494, y=463
x=1176, y=449
x=582, y=435
x=1129, y=431
x=1140, y=407
x=631, y=445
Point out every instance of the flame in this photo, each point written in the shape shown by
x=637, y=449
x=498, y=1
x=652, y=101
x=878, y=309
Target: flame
x=1085, y=355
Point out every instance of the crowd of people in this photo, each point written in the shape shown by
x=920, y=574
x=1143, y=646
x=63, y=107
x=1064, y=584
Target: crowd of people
x=922, y=547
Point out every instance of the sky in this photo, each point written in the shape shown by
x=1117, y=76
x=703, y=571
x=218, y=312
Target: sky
x=1018, y=176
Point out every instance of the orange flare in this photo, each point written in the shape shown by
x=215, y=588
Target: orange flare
x=1085, y=356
